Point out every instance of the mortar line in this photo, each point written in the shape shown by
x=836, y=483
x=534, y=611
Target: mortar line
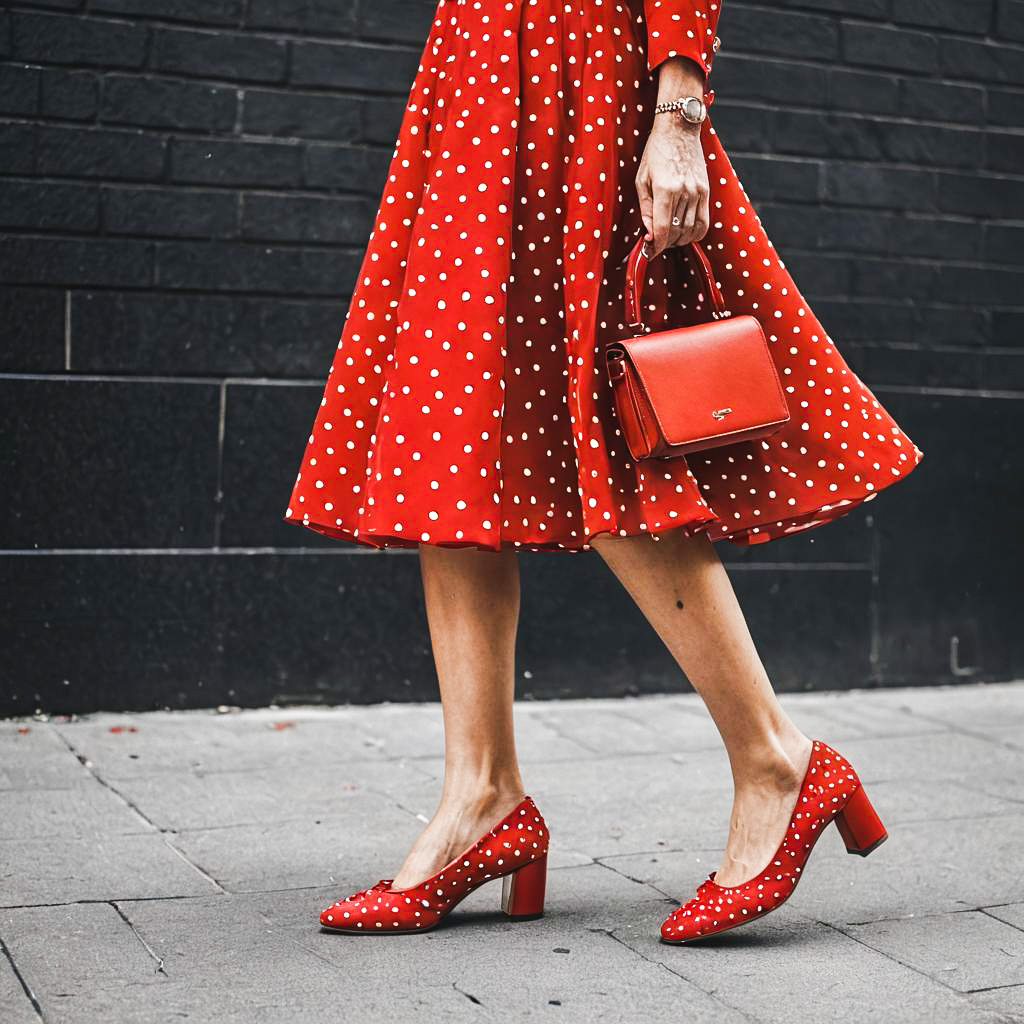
x=21, y=981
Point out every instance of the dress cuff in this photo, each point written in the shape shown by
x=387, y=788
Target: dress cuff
x=681, y=29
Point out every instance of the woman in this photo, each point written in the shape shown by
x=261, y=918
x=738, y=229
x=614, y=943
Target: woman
x=468, y=414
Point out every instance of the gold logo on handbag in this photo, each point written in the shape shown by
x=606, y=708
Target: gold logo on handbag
x=661, y=380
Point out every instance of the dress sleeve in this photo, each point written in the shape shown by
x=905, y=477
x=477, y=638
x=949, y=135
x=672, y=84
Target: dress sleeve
x=682, y=28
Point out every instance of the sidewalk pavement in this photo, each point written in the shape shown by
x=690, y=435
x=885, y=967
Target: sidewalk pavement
x=171, y=866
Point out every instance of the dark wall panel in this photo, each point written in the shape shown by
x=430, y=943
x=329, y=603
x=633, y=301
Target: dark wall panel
x=185, y=195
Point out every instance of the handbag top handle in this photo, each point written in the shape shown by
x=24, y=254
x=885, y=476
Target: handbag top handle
x=636, y=275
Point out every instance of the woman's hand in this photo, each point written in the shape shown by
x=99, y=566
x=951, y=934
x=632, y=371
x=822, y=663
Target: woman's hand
x=672, y=179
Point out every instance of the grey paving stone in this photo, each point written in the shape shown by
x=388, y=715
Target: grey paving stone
x=789, y=970
x=33, y=756
x=126, y=746
x=86, y=947
x=369, y=838
x=63, y=870
x=1011, y=913
x=15, y=1005
x=82, y=811
x=226, y=961
x=1007, y=1002
x=637, y=803
x=966, y=951
x=296, y=792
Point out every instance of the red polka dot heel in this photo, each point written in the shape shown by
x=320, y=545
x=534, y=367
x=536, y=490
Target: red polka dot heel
x=516, y=849
x=830, y=791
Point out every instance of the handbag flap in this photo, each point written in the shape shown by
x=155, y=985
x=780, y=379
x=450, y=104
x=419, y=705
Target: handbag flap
x=708, y=380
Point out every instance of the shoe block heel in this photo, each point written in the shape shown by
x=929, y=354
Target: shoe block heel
x=859, y=825
x=522, y=892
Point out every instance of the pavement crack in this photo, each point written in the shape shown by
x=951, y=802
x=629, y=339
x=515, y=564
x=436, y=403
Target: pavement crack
x=159, y=960
x=21, y=981
x=469, y=995
x=638, y=881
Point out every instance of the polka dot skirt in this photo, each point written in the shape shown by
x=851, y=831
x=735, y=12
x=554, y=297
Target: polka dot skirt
x=468, y=403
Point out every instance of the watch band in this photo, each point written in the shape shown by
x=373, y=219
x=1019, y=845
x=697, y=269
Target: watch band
x=692, y=108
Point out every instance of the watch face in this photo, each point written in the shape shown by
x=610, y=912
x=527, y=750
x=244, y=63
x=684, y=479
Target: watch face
x=692, y=109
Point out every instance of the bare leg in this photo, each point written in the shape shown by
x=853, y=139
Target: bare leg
x=682, y=588
x=472, y=601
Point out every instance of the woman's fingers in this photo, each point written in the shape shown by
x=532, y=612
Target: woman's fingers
x=664, y=210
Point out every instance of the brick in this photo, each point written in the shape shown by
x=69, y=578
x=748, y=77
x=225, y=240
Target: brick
x=19, y=89
x=939, y=101
x=1008, y=328
x=261, y=269
x=67, y=5
x=382, y=119
x=236, y=163
x=220, y=55
x=901, y=279
x=981, y=62
x=1004, y=243
x=995, y=286
x=209, y=12
x=98, y=153
x=49, y=206
x=401, y=20
x=343, y=219
x=865, y=8
x=785, y=33
x=225, y=335
x=979, y=195
x=64, y=39
x=1006, y=107
x=301, y=115
x=1006, y=153
x=863, y=91
x=352, y=65
x=876, y=185
x=70, y=95
x=932, y=146
x=974, y=17
x=768, y=81
x=33, y=320
x=777, y=178
x=17, y=149
x=886, y=233
x=167, y=103
x=828, y=135
x=42, y=260
x=321, y=17
x=1010, y=24
x=162, y=212
x=880, y=46
x=353, y=168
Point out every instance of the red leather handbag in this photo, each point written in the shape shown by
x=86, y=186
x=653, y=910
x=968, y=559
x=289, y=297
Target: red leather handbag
x=691, y=388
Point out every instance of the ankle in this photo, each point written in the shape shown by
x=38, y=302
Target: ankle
x=474, y=794
x=775, y=762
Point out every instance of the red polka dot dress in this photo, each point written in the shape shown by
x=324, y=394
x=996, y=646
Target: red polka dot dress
x=468, y=403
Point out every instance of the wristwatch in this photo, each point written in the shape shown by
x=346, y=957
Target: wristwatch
x=691, y=108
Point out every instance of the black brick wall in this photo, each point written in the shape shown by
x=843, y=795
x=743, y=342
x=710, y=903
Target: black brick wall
x=187, y=188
